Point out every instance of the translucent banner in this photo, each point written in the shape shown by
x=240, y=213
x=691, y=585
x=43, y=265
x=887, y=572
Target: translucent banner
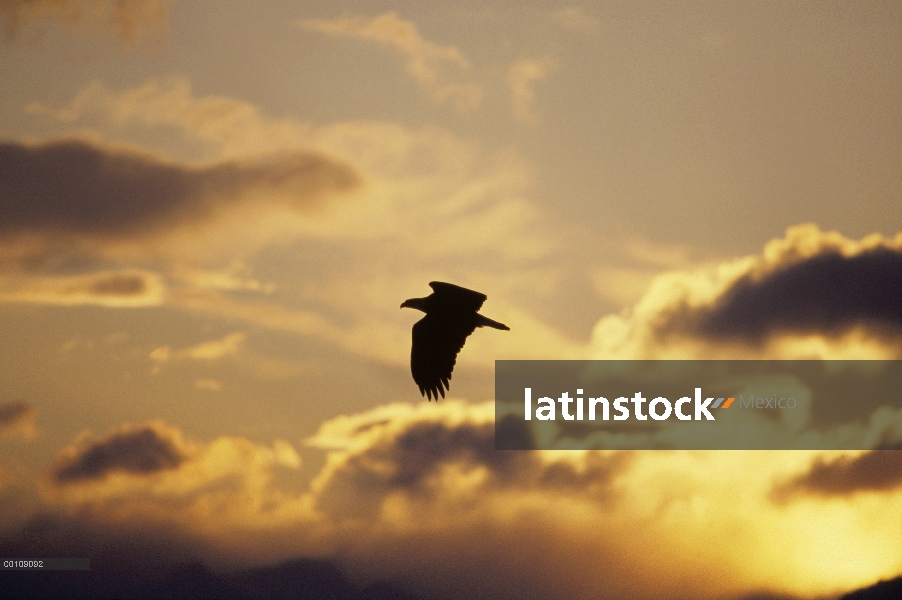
x=698, y=405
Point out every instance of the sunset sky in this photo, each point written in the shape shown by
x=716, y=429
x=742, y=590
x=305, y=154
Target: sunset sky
x=210, y=213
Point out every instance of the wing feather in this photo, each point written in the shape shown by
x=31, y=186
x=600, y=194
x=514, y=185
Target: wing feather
x=437, y=339
x=456, y=297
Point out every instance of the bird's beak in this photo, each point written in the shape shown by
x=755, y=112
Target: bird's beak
x=416, y=303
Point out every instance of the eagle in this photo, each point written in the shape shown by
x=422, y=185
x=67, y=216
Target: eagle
x=451, y=316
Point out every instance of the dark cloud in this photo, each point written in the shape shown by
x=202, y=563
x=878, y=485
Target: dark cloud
x=826, y=293
x=125, y=284
x=114, y=289
x=142, y=450
x=17, y=419
x=73, y=187
x=13, y=413
x=411, y=459
x=874, y=471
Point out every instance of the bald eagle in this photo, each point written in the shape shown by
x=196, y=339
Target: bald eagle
x=451, y=316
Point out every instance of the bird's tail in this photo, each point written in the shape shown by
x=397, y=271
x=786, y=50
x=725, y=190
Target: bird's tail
x=487, y=322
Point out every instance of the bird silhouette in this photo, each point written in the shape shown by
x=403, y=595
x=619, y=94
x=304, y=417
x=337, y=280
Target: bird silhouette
x=451, y=316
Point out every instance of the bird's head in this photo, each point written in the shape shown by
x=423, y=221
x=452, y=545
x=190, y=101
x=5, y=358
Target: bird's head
x=417, y=303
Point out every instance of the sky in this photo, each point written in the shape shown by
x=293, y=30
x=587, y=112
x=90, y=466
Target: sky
x=210, y=213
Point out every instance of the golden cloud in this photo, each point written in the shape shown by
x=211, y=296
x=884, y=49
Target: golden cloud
x=132, y=21
x=428, y=456
x=437, y=68
x=116, y=289
x=459, y=208
x=216, y=349
x=418, y=493
x=423, y=493
x=234, y=125
x=208, y=384
x=424, y=190
x=208, y=351
x=235, y=277
x=150, y=471
x=575, y=18
x=521, y=79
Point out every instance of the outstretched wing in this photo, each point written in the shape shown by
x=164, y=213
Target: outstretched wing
x=436, y=341
x=456, y=297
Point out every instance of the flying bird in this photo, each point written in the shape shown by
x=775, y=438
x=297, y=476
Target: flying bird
x=451, y=316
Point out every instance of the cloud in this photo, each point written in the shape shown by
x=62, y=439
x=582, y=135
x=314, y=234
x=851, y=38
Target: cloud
x=216, y=349
x=521, y=79
x=138, y=450
x=17, y=419
x=151, y=473
x=575, y=18
x=132, y=21
x=374, y=328
x=235, y=277
x=460, y=208
x=208, y=384
x=236, y=127
x=206, y=351
x=423, y=493
x=872, y=471
x=409, y=177
x=417, y=494
x=827, y=293
x=812, y=294
x=438, y=69
x=427, y=456
x=117, y=289
x=424, y=187
x=89, y=223
x=74, y=187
